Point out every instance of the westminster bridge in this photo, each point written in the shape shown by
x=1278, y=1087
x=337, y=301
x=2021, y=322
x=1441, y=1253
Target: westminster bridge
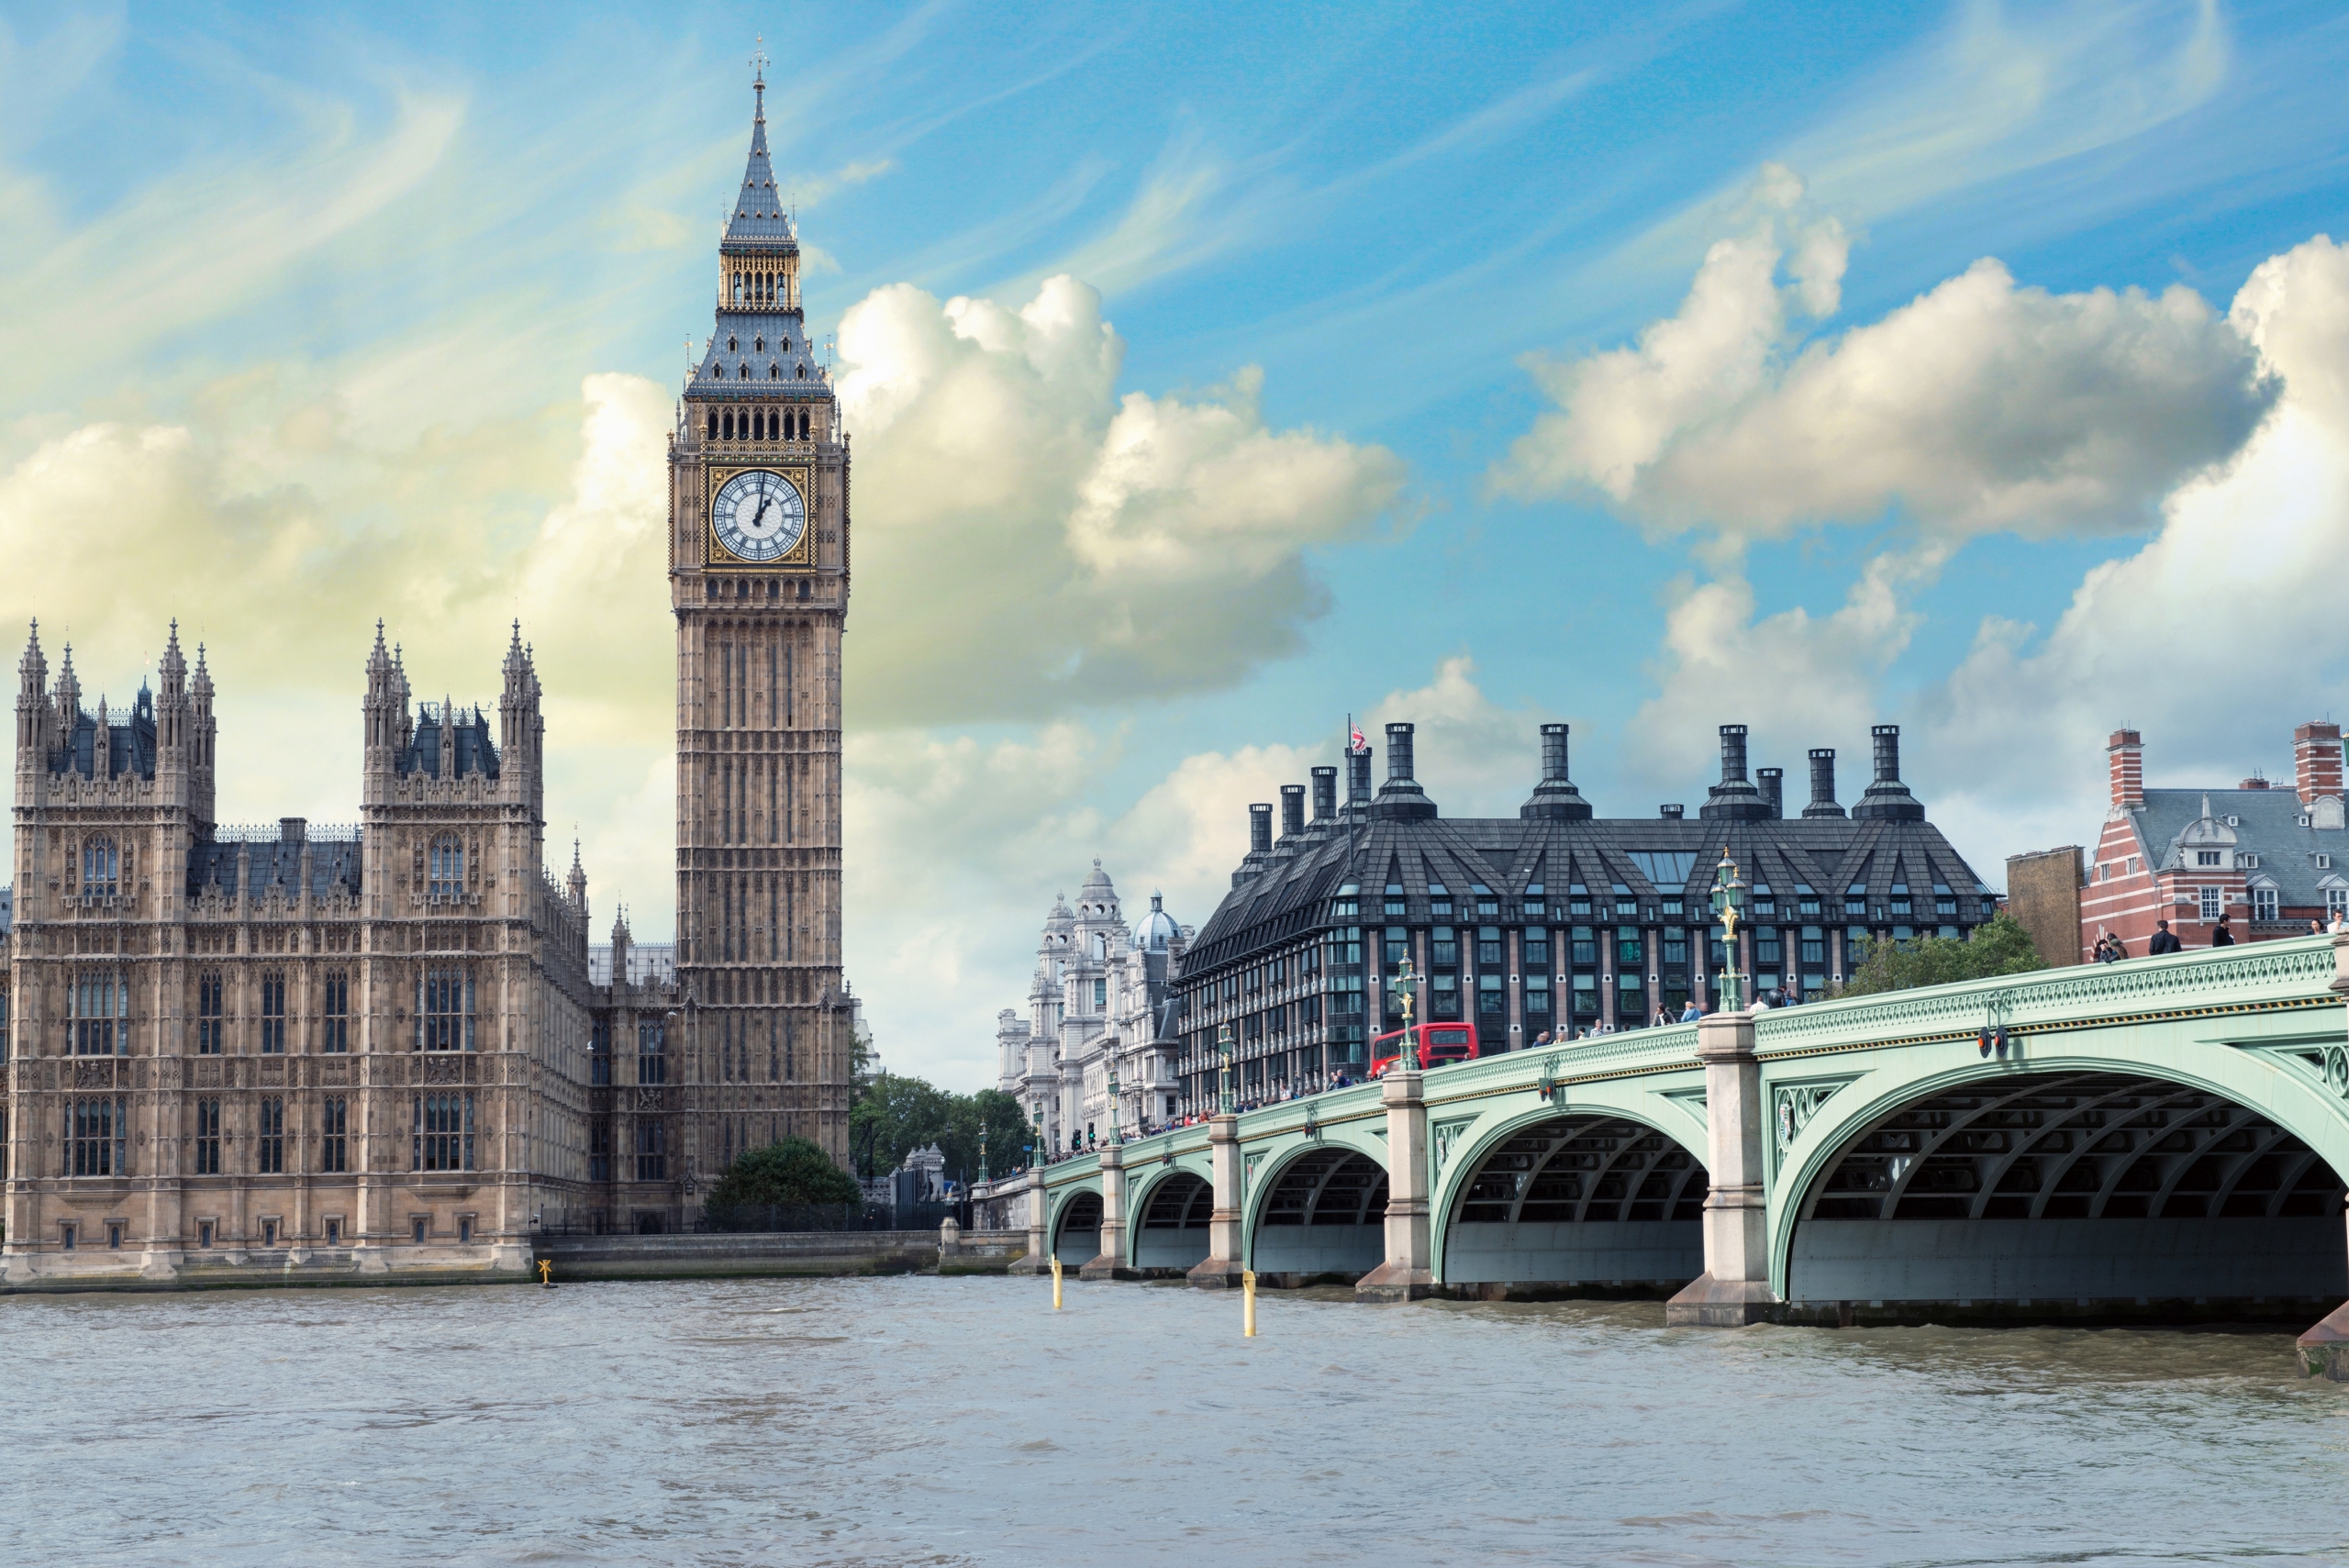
x=2162, y=1137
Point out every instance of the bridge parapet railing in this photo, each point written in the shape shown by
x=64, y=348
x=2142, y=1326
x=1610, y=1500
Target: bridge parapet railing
x=2299, y=969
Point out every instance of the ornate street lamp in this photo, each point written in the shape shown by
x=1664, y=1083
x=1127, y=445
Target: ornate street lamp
x=1114, y=1140
x=983, y=1157
x=1036, y=1149
x=1407, y=980
x=1729, y=904
x=1223, y=1074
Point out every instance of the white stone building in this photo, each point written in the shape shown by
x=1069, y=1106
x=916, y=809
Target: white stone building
x=1101, y=998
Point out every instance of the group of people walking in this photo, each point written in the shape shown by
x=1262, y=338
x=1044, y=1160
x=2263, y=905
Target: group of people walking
x=2111, y=949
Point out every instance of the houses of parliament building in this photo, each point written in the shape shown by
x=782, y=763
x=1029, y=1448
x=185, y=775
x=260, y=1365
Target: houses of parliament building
x=390, y=1047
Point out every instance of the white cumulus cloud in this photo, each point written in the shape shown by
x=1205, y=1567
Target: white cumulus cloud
x=1027, y=540
x=1982, y=405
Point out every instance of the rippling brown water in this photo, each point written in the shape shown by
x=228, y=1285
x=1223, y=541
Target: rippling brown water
x=951, y=1422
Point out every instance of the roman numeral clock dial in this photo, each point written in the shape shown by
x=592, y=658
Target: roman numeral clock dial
x=759, y=515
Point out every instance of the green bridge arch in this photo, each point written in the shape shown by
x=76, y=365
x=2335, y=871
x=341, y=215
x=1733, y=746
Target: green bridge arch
x=2232, y=1057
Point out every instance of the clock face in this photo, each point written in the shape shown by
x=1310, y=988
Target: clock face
x=759, y=515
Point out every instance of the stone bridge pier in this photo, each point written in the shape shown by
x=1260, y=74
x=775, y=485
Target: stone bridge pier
x=2162, y=1140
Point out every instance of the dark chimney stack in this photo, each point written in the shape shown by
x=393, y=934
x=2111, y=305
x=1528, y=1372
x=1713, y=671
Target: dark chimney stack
x=1260, y=829
x=1400, y=798
x=1398, y=752
x=1292, y=810
x=1887, y=799
x=1734, y=799
x=1325, y=794
x=1672, y=812
x=1822, y=784
x=1555, y=796
x=1774, y=789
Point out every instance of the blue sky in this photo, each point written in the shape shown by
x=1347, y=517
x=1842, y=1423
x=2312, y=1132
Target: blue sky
x=1477, y=367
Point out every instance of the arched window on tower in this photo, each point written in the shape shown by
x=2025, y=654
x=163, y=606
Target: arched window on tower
x=713, y=425
x=730, y=425
x=100, y=868
x=447, y=878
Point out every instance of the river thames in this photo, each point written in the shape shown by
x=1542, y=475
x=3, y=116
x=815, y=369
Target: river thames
x=925, y=1421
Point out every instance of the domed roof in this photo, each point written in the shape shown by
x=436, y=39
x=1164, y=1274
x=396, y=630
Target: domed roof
x=1099, y=880
x=1158, y=929
x=1061, y=919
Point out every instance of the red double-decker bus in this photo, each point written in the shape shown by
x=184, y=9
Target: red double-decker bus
x=1439, y=1044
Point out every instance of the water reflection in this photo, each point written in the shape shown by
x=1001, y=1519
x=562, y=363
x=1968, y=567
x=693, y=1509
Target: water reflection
x=888, y=1421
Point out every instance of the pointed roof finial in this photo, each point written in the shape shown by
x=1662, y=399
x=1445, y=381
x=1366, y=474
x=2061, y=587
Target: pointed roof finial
x=759, y=73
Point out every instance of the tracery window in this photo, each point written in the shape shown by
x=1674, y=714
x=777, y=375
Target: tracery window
x=447, y=867
x=334, y=1122
x=100, y=866
x=207, y=1138
x=95, y=1130
x=444, y=1010
x=444, y=1139
x=652, y=1151
x=98, y=1014
x=652, y=1052
x=273, y=1015
x=334, y=1029
x=268, y=1140
x=211, y=991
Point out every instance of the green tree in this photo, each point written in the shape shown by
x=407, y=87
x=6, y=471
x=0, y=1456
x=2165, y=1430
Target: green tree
x=795, y=1171
x=1999, y=947
x=895, y=1114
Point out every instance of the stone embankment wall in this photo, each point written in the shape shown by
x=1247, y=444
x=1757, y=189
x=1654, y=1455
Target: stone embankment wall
x=807, y=1253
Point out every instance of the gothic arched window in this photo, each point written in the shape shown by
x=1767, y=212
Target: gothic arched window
x=713, y=425
x=447, y=867
x=100, y=868
x=774, y=371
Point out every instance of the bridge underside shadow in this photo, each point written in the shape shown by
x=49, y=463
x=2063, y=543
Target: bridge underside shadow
x=1076, y=1238
x=1172, y=1236
x=2089, y=1196
x=1580, y=1204
x=1324, y=1221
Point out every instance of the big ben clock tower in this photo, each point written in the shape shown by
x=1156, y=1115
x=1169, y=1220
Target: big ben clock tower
x=758, y=576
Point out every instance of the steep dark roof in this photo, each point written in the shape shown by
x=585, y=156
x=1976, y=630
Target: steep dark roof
x=2268, y=823
x=1649, y=859
x=476, y=753
x=335, y=866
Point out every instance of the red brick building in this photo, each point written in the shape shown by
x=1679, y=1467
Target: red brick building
x=2272, y=861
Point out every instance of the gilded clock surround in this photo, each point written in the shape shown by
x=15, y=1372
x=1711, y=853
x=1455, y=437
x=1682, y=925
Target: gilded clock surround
x=800, y=557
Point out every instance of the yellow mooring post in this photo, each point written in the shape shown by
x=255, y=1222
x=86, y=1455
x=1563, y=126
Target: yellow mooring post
x=1056, y=1284
x=1247, y=1304
x=546, y=1272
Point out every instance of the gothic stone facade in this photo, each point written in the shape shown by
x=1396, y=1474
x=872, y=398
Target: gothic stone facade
x=758, y=574
x=389, y=1047
x=362, y=1048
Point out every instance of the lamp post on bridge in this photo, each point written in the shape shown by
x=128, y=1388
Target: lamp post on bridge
x=1729, y=904
x=1407, y=980
x=1114, y=1142
x=1223, y=1073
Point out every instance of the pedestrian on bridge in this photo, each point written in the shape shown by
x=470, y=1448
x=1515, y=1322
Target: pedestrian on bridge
x=2165, y=940
x=2222, y=937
